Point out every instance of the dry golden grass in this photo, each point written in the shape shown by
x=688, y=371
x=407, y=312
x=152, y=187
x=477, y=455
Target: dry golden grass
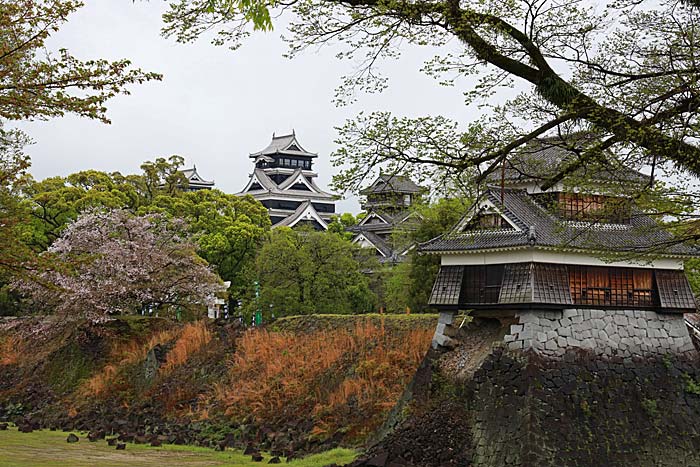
x=193, y=337
x=100, y=382
x=188, y=339
x=322, y=374
x=10, y=350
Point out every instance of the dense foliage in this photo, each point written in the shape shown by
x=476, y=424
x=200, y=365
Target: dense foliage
x=303, y=272
x=227, y=228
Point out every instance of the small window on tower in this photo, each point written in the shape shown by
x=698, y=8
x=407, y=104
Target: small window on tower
x=487, y=221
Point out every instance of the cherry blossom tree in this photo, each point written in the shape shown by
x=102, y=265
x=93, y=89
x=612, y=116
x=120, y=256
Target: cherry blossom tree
x=117, y=263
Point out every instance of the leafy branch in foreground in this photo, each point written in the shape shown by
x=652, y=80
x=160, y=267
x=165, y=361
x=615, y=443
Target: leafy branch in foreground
x=625, y=73
x=37, y=83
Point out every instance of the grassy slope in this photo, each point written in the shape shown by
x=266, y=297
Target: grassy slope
x=50, y=449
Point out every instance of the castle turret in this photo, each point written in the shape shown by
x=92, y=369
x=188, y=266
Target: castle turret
x=195, y=181
x=553, y=258
x=387, y=202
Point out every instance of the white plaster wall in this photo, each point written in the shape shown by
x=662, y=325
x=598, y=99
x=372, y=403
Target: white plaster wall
x=543, y=256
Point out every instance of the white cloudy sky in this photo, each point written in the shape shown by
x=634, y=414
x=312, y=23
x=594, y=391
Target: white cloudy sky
x=214, y=106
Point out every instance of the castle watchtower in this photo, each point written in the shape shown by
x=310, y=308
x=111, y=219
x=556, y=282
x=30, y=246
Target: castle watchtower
x=571, y=266
x=195, y=182
x=387, y=202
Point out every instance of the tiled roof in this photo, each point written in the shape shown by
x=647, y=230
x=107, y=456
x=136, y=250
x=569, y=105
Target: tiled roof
x=378, y=242
x=285, y=144
x=392, y=183
x=538, y=227
x=544, y=157
x=190, y=173
x=389, y=254
x=270, y=186
x=296, y=216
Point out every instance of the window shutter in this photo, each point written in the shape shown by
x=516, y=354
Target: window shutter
x=447, y=286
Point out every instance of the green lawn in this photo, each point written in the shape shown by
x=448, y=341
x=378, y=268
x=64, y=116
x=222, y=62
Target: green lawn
x=50, y=449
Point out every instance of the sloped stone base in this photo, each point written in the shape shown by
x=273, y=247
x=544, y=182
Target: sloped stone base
x=524, y=408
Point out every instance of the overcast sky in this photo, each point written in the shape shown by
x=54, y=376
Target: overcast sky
x=214, y=106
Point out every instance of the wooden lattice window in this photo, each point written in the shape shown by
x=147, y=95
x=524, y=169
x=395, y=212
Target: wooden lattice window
x=625, y=287
x=596, y=208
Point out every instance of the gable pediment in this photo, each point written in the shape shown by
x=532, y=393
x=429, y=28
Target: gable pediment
x=485, y=215
x=374, y=219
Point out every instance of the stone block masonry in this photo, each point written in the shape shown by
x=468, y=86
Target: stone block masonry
x=444, y=331
x=621, y=333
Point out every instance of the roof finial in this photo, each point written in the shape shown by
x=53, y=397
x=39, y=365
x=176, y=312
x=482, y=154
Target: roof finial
x=532, y=235
x=194, y=167
x=273, y=135
x=293, y=133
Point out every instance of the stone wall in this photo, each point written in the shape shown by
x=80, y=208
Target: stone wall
x=585, y=410
x=522, y=409
x=624, y=333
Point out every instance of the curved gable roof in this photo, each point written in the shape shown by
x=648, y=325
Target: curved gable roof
x=387, y=183
x=540, y=228
x=284, y=144
x=544, y=157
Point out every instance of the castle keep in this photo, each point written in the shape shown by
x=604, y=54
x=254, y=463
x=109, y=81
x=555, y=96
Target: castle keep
x=283, y=181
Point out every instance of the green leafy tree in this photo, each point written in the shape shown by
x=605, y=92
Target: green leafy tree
x=304, y=272
x=162, y=176
x=14, y=254
x=340, y=224
x=56, y=201
x=228, y=230
x=37, y=83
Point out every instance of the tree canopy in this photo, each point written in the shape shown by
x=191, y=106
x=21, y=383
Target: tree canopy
x=227, y=229
x=624, y=71
x=304, y=271
x=14, y=253
x=114, y=262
